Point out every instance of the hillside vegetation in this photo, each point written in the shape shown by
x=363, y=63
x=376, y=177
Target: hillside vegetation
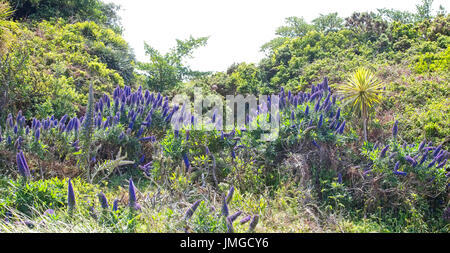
x=87, y=142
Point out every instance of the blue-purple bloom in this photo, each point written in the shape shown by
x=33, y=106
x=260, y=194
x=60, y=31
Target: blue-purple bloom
x=245, y=219
x=395, y=129
x=103, y=200
x=70, y=197
x=22, y=165
x=191, y=210
x=383, y=151
x=186, y=162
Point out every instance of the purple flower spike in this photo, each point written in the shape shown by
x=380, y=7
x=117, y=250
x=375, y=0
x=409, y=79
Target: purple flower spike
x=131, y=194
x=103, y=200
x=230, y=194
x=319, y=125
x=186, y=162
x=306, y=110
x=22, y=165
x=395, y=129
x=191, y=210
x=225, y=211
x=115, y=205
x=340, y=178
x=401, y=173
x=315, y=144
x=253, y=223
x=436, y=152
x=70, y=197
x=397, y=166
x=245, y=219
x=411, y=160
x=383, y=151
x=234, y=216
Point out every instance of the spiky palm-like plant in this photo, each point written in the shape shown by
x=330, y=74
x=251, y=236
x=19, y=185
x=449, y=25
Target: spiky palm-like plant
x=362, y=91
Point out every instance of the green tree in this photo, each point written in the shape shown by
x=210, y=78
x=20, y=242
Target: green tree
x=165, y=71
x=70, y=10
x=294, y=27
x=328, y=23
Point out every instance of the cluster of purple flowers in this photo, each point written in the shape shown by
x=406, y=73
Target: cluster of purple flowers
x=417, y=158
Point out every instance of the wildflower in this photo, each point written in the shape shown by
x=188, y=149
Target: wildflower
x=395, y=129
x=225, y=211
x=383, y=151
x=37, y=135
x=306, y=110
x=115, y=205
x=441, y=164
x=253, y=223
x=422, y=144
x=186, y=162
x=229, y=224
x=401, y=173
x=103, y=200
x=70, y=197
x=319, y=125
x=340, y=178
x=411, y=161
x=436, y=152
x=191, y=210
x=245, y=219
x=423, y=158
x=397, y=166
x=22, y=165
x=431, y=164
x=341, y=128
x=315, y=144
x=131, y=195
x=234, y=216
x=230, y=195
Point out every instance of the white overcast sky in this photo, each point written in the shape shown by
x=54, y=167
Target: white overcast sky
x=237, y=28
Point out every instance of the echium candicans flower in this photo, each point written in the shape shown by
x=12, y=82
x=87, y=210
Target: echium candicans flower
x=441, y=164
x=229, y=225
x=397, y=166
x=186, y=162
x=103, y=200
x=438, y=149
x=22, y=165
x=115, y=205
x=341, y=128
x=411, y=160
x=317, y=106
x=319, y=125
x=306, y=110
x=253, y=223
x=315, y=143
x=401, y=173
x=37, y=135
x=395, y=129
x=383, y=151
x=225, y=211
x=191, y=210
x=70, y=197
x=245, y=219
x=234, y=216
x=431, y=164
x=340, y=178
x=229, y=196
x=422, y=144
x=423, y=159
x=132, y=196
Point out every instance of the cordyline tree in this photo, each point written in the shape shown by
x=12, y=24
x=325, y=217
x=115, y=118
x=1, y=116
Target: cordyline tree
x=165, y=71
x=362, y=92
